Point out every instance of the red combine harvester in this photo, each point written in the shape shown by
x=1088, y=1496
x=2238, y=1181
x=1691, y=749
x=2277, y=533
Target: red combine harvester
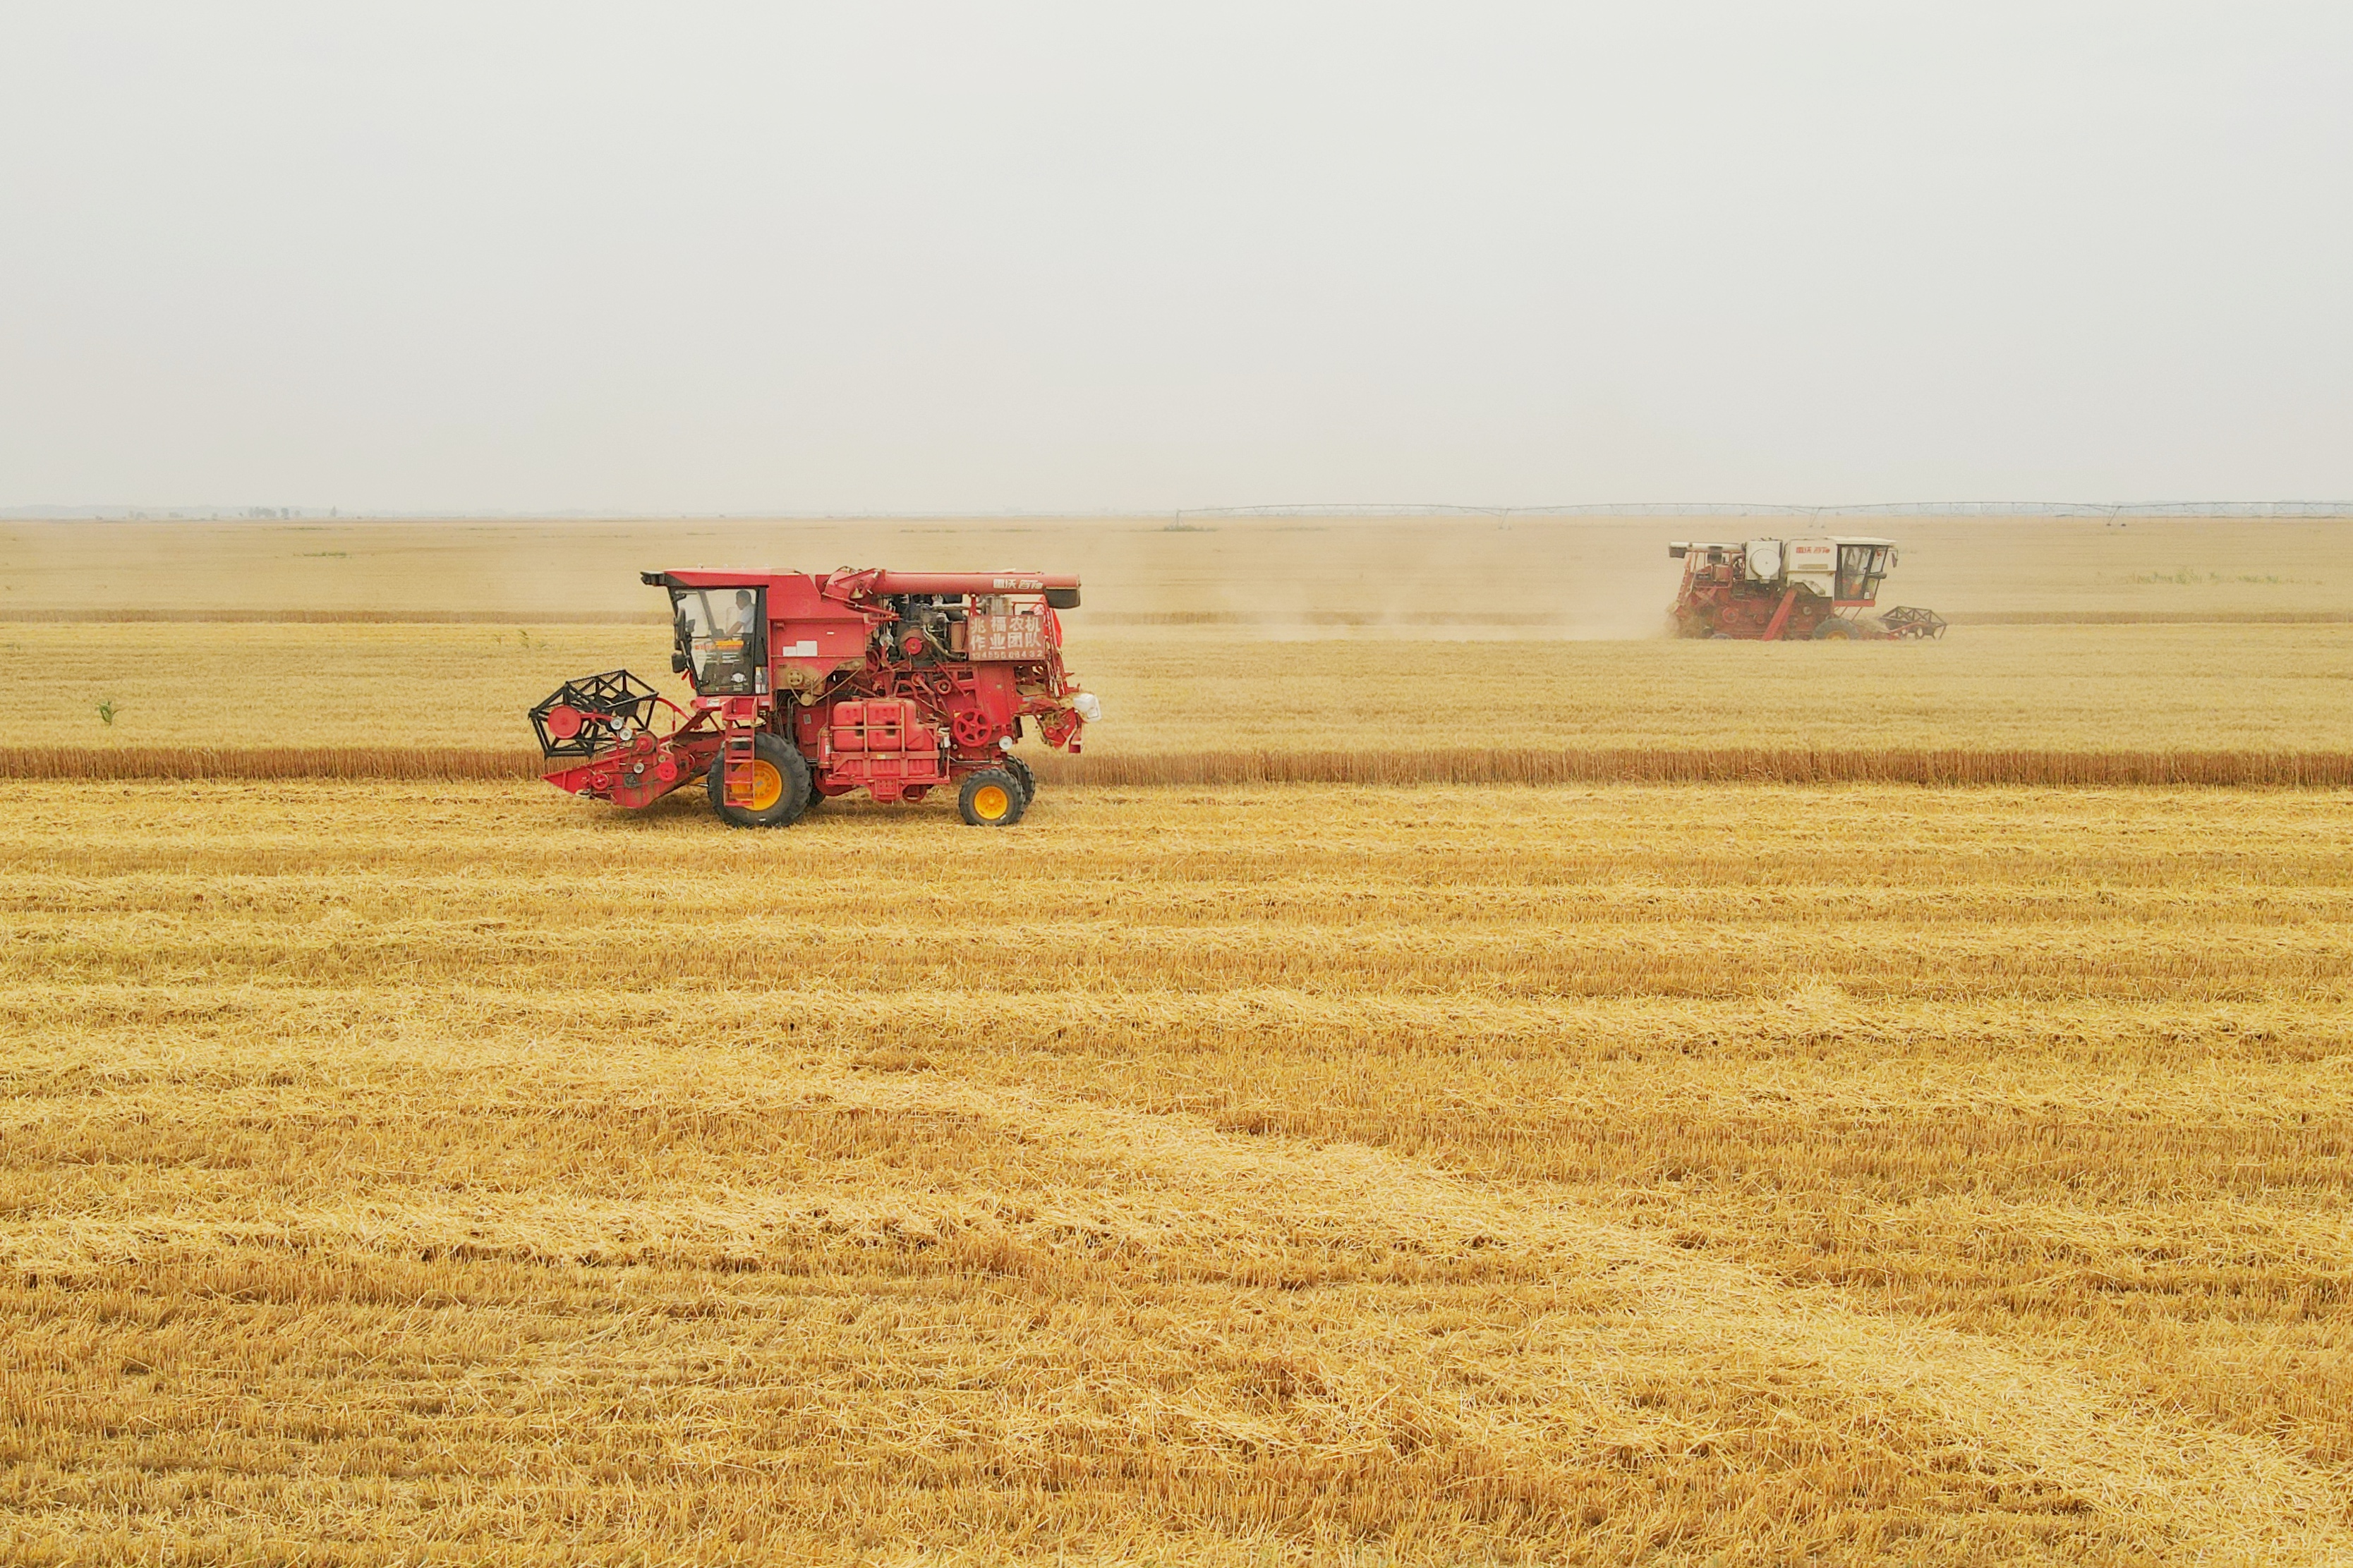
x=897, y=683
x=1778, y=590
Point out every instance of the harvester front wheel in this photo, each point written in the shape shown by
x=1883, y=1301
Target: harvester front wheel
x=1023, y=776
x=780, y=786
x=992, y=798
x=1834, y=630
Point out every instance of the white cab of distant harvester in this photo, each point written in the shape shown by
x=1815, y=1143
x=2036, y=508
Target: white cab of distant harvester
x=1820, y=563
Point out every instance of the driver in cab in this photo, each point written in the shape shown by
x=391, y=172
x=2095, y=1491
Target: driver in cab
x=739, y=623
x=729, y=668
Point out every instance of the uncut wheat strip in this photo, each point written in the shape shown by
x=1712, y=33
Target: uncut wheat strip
x=511, y=617
x=2147, y=617
x=2219, y=1494
x=1729, y=764
x=129, y=764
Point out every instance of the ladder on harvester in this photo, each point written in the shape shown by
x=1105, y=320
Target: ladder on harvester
x=737, y=775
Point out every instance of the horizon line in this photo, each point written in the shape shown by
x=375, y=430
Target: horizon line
x=45, y=512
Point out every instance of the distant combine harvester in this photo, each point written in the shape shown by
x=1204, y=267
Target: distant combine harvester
x=1777, y=590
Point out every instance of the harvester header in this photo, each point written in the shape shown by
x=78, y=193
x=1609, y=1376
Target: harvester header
x=808, y=687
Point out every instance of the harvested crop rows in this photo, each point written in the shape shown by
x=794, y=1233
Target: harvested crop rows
x=406, y=1171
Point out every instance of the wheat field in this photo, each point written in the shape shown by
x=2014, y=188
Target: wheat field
x=408, y=1173
x=404, y=1162
x=1475, y=577
x=1186, y=691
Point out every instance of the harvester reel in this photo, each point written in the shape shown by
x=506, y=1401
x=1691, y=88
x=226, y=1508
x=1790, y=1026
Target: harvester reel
x=1906, y=621
x=581, y=718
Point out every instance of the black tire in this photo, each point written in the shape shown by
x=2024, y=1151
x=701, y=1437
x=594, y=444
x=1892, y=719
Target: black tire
x=992, y=798
x=792, y=796
x=1024, y=778
x=1834, y=630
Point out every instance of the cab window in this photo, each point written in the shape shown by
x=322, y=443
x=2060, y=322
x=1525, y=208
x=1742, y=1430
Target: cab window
x=1855, y=571
x=719, y=637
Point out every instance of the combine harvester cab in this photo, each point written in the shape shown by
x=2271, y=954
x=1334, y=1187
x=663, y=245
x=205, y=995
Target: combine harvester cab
x=1774, y=590
x=805, y=687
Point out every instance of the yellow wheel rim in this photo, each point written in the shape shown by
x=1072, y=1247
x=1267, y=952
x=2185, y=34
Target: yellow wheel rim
x=991, y=802
x=767, y=784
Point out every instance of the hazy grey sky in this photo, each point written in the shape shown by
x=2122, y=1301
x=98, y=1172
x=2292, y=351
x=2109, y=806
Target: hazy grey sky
x=930, y=256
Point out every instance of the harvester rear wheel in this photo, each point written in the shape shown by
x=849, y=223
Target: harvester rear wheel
x=992, y=798
x=1023, y=776
x=780, y=786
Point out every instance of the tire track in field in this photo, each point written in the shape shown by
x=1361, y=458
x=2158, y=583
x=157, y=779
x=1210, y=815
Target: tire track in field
x=2216, y=1495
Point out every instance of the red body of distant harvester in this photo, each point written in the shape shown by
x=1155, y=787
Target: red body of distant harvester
x=1774, y=590
x=808, y=687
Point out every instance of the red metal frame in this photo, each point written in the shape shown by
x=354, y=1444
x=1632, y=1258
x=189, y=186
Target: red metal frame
x=876, y=685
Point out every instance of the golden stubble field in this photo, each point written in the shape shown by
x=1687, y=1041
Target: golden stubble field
x=411, y=1172
x=429, y=1172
